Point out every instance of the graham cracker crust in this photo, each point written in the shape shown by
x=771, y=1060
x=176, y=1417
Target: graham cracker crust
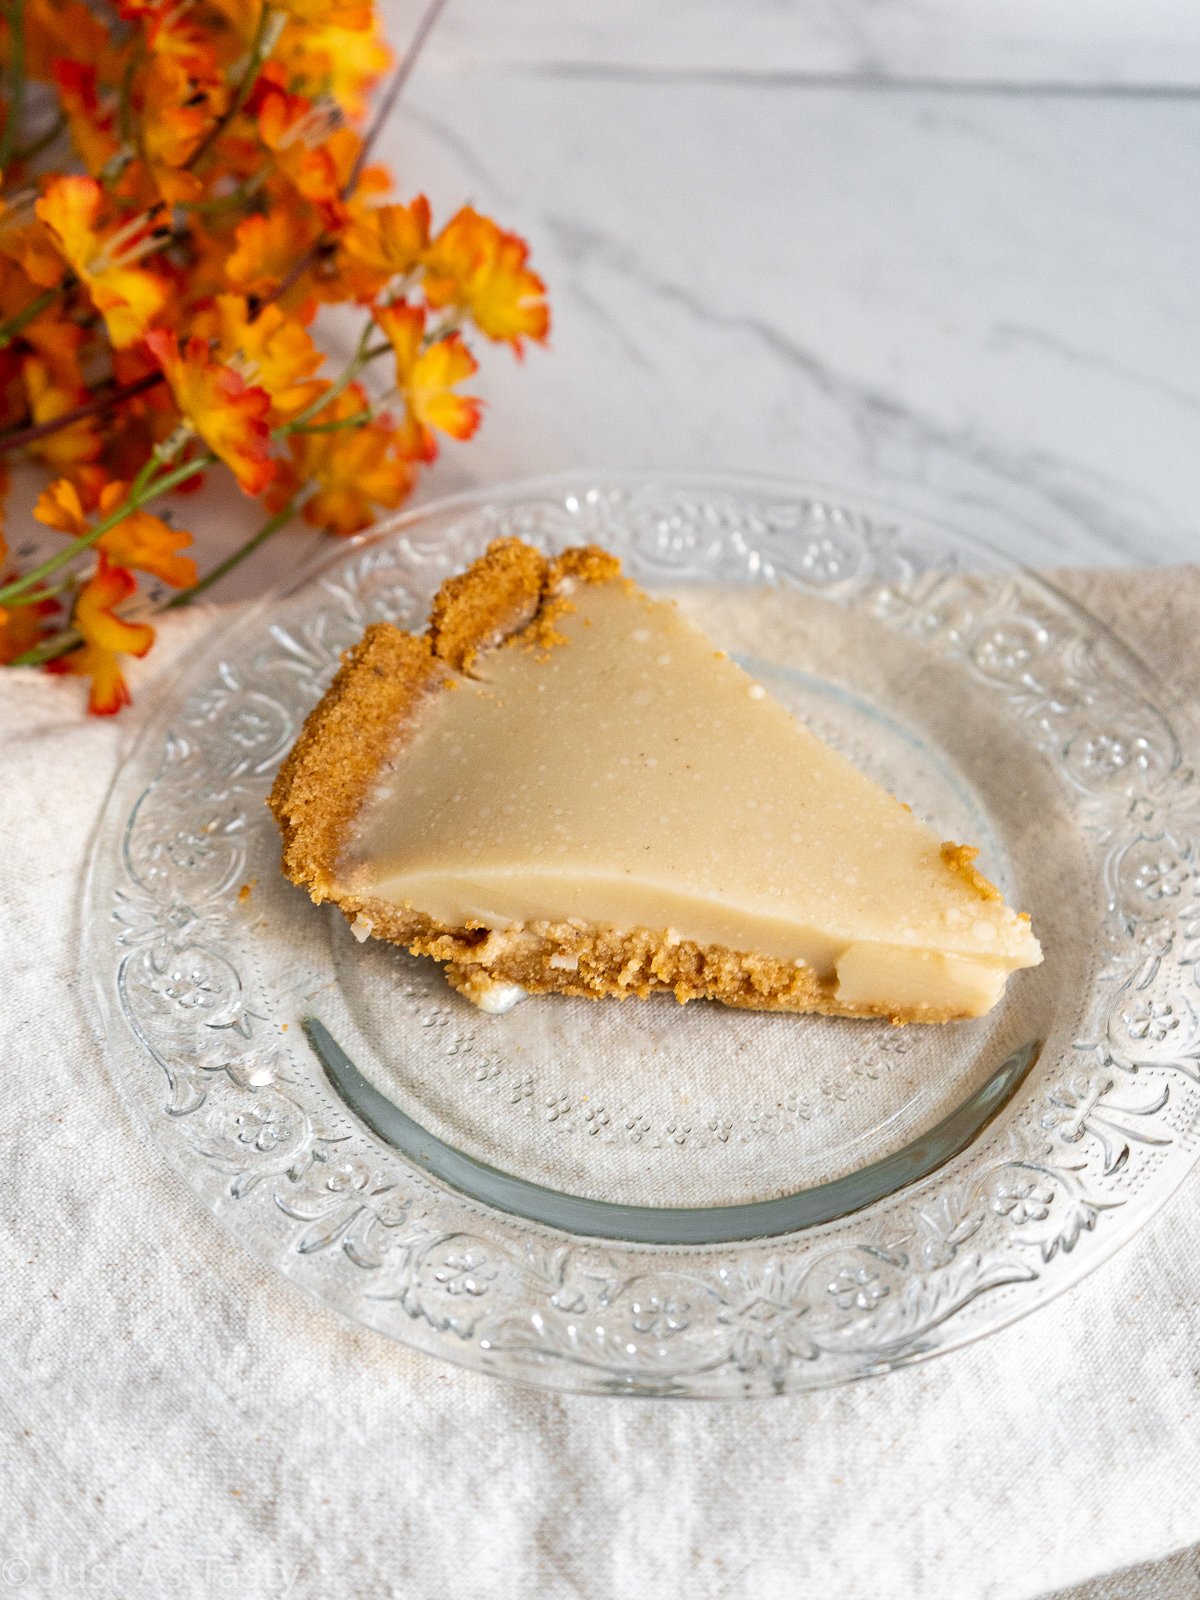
x=596, y=963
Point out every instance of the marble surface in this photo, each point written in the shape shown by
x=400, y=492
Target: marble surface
x=978, y=298
x=1071, y=42
x=980, y=303
x=972, y=300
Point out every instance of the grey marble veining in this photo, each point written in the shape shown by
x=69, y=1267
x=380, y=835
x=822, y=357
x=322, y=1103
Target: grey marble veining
x=978, y=303
x=1152, y=43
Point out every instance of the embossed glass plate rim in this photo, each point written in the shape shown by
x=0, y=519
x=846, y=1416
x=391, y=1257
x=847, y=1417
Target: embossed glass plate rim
x=602, y=480
x=592, y=1378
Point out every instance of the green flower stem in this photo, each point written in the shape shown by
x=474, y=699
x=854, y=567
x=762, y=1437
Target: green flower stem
x=62, y=643
x=38, y=595
x=356, y=421
x=272, y=526
x=240, y=196
x=125, y=96
x=241, y=94
x=133, y=495
x=16, y=81
x=150, y=490
x=10, y=329
x=361, y=358
x=147, y=470
x=49, y=649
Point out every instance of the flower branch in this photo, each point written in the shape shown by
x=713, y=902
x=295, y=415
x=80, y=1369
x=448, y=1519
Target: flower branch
x=144, y=489
x=224, y=186
x=10, y=138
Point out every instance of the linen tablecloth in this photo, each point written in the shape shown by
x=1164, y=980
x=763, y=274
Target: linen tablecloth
x=179, y=1421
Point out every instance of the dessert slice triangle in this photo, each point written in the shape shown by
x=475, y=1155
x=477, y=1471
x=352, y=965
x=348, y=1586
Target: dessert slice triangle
x=562, y=785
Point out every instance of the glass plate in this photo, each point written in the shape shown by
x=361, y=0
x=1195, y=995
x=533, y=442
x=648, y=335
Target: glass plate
x=852, y=1197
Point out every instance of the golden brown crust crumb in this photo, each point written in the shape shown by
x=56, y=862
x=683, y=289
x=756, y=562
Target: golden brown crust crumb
x=473, y=983
x=511, y=594
x=496, y=596
x=541, y=635
x=342, y=746
x=586, y=563
x=599, y=963
x=960, y=858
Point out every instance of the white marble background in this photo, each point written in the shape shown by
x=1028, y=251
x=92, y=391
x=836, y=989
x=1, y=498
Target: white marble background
x=982, y=299
x=1104, y=42
x=947, y=251
x=940, y=249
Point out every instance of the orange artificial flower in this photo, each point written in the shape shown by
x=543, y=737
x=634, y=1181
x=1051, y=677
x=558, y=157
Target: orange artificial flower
x=285, y=119
x=178, y=111
x=426, y=377
x=310, y=149
x=379, y=243
x=266, y=248
x=209, y=249
x=127, y=296
x=209, y=191
x=72, y=498
x=182, y=91
x=481, y=270
x=60, y=343
x=340, y=62
x=14, y=402
x=244, y=14
x=139, y=540
x=50, y=398
x=356, y=469
x=243, y=17
x=172, y=33
x=91, y=125
x=228, y=413
x=105, y=637
x=344, y=147
x=133, y=429
x=351, y=14
x=59, y=29
x=28, y=242
x=24, y=626
x=271, y=350
x=21, y=627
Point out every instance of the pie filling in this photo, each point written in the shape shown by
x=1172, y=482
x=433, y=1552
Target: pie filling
x=609, y=769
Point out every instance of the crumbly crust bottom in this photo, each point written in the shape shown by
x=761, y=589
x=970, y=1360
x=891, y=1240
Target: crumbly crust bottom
x=595, y=963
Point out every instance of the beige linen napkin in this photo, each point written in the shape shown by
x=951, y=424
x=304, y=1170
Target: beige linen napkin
x=179, y=1421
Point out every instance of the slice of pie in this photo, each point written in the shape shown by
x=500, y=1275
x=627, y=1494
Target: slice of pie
x=562, y=785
